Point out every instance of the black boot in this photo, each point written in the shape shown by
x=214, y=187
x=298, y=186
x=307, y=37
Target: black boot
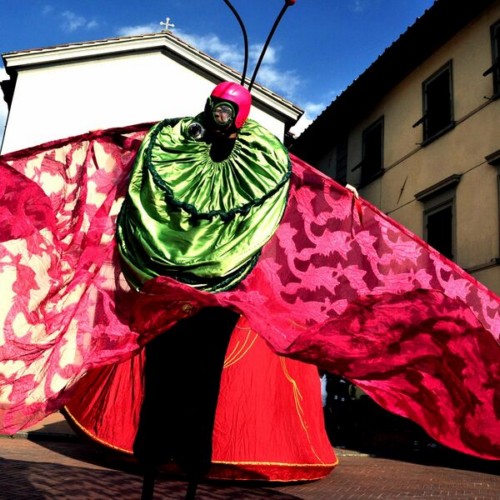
x=191, y=489
x=148, y=484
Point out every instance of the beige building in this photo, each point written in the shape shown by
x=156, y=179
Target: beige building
x=418, y=133
x=66, y=90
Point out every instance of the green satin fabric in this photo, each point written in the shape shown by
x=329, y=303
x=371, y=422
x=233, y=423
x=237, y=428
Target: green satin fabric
x=200, y=221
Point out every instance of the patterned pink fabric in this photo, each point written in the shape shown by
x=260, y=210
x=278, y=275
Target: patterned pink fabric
x=339, y=285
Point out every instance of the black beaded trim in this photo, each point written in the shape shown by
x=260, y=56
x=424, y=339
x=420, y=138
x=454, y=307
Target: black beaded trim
x=188, y=207
x=218, y=284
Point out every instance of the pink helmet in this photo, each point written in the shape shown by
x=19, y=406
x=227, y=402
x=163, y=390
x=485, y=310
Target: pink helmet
x=235, y=94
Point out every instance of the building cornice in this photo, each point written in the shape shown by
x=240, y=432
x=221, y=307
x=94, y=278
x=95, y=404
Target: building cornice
x=447, y=184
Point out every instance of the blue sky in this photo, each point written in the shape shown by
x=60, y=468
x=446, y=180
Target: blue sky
x=320, y=47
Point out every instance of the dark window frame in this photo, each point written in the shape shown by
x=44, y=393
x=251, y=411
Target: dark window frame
x=341, y=158
x=372, y=163
x=436, y=199
x=494, y=69
x=439, y=237
x=437, y=103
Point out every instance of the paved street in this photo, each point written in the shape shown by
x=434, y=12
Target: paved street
x=56, y=466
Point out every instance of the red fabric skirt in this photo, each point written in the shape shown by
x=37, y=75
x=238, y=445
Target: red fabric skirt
x=269, y=421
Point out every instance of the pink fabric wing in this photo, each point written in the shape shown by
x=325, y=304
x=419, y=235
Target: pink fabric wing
x=61, y=288
x=339, y=285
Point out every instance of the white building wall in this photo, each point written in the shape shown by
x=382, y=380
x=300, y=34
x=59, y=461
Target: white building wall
x=61, y=98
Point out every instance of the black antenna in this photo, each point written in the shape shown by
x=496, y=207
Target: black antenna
x=266, y=45
x=245, y=40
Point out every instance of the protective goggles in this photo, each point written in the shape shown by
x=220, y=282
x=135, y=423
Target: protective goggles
x=223, y=113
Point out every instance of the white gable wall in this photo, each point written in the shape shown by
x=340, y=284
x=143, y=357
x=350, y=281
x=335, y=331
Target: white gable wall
x=62, y=98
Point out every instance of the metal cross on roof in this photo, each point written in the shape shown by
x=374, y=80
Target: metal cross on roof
x=167, y=24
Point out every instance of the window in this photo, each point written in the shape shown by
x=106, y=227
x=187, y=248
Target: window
x=437, y=103
x=372, y=163
x=439, y=215
x=494, y=70
x=341, y=162
x=439, y=229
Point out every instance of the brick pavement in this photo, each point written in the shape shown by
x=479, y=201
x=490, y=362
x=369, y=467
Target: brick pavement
x=62, y=469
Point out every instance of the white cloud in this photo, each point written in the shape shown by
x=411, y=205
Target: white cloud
x=230, y=54
x=73, y=22
x=285, y=83
x=92, y=24
x=68, y=20
x=3, y=105
x=359, y=5
x=311, y=111
x=271, y=56
x=270, y=74
x=140, y=29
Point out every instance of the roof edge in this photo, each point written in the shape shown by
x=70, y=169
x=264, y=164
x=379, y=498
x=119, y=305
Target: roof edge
x=164, y=41
x=437, y=25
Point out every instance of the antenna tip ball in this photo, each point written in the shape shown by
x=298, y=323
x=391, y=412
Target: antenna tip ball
x=290, y=2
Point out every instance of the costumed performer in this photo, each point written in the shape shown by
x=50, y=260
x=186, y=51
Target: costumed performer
x=338, y=284
x=205, y=195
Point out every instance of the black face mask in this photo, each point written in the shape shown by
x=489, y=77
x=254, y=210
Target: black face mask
x=220, y=114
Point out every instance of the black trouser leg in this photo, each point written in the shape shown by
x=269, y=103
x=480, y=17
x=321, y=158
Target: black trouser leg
x=191, y=490
x=182, y=379
x=148, y=484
